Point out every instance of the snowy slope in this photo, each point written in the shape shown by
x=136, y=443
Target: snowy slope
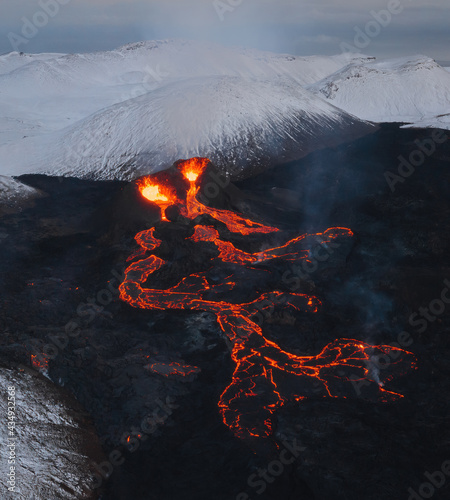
x=415, y=90
x=15, y=195
x=115, y=108
x=49, y=93
x=54, y=444
x=239, y=124
x=153, y=62
x=14, y=60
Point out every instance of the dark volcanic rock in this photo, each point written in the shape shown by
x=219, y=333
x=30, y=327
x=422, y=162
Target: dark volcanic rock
x=52, y=444
x=61, y=264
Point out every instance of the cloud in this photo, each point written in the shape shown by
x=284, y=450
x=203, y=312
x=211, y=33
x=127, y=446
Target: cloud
x=299, y=26
x=319, y=39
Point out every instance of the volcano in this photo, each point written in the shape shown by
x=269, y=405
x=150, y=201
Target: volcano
x=208, y=325
x=260, y=382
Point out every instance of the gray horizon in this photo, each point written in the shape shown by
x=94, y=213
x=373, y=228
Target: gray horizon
x=383, y=28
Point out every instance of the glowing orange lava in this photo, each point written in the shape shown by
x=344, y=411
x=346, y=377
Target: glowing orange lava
x=192, y=207
x=163, y=196
x=193, y=168
x=40, y=362
x=152, y=193
x=265, y=376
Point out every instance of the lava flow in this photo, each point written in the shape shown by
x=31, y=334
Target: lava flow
x=157, y=188
x=265, y=376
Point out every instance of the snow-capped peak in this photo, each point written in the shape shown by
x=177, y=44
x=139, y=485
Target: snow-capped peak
x=142, y=106
x=409, y=89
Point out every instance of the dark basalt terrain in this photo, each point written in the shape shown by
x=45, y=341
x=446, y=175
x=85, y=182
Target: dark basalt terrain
x=61, y=263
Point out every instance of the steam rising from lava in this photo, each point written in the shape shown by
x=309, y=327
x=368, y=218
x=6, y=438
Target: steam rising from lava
x=265, y=376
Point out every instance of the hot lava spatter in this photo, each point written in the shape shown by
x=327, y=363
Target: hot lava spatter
x=265, y=376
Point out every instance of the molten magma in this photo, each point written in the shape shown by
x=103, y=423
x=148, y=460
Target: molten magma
x=192, y=170
x=152, y=193
x=265, y=376
x=292, y=251
x=163, y=196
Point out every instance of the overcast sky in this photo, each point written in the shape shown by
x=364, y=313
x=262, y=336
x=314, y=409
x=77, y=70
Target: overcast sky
x=302, y=27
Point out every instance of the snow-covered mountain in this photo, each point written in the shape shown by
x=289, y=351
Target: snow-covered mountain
x=134, y=110
x=415, y=90
x=137, y=109
x=241, y=125
x=49, y=93
x=164, y=60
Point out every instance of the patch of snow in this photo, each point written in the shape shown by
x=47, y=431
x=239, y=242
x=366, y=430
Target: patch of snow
x=14, y=194
x=50, y=442
x=414, y=90
x=13, y=60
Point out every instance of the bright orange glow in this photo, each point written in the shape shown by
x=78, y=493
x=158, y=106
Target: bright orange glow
x=162, y=195
x=265, y=376
x=191, y=176
x=234, y=222
x=193, y=168
x=152, y=193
